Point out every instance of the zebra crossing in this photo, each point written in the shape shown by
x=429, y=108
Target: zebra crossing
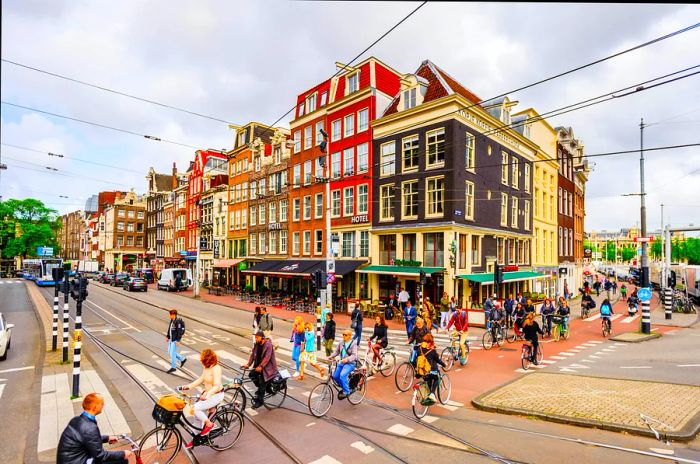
x=626, y=320
x=2, y=282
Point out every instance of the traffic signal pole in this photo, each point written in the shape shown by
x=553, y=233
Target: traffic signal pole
x=66, y=306
x=646, y=312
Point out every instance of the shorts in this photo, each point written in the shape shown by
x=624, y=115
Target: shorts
x=308, y=357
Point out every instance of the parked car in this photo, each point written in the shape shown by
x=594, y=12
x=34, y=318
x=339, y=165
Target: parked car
x=106, y=278
x=146, y=274
x=119, y=279
x=135, y=283
x=169, y=277
x=5, y=336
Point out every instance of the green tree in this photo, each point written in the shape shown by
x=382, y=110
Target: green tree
x=610, y=250
x=628, y=252
x=656, y=249
x=25, y=225
x=693, y=250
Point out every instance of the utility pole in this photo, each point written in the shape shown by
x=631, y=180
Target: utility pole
x=199, y=247
x=330, y=258
x=646, y=314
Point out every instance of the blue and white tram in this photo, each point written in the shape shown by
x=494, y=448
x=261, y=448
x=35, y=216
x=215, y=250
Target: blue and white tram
x=40, y=270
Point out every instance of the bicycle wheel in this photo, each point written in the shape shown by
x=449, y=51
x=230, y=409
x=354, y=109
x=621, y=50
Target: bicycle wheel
x=358, y=394
x=487, y=340
x=159, y=446
x=320, y=399
x=525, y=359
x=420, y=394
x=567, y=332
x=465, y=358
x=275, y=400
x=500, y=336
x=511, y=337
x=444, y=390
x=448, y=358
x=227, y=431
x=388, y=364
x=405, y=375
x=235, y=397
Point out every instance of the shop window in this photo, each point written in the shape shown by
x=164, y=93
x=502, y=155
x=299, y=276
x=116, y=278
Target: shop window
x=387, y=249
x=434, y=250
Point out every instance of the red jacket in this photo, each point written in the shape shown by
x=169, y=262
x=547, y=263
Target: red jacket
x=460, y=323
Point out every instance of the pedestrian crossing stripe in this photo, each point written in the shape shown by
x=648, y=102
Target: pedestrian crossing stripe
x=629, y=319
x=592, y=318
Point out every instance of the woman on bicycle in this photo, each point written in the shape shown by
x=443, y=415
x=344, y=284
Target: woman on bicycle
x=519, y=317
x=381, y=334
x=530, y=330
x=632, y=304
x=623, y=291
x=297, y=339
x=547, y=312
x=563, y=310
x=427, y=349
x=606, y=312
x=213, y=393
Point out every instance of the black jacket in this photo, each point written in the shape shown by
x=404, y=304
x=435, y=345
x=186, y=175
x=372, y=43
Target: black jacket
x=380, y=333
x=530, y=331
x=433, y=358
x=81, y=440
x=176, y=329
x=418, y=334
x=329, y=330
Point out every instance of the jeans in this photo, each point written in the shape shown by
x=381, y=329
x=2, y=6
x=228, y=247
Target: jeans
x=174, y=355
x=341, y=374
x=444, y=319
x=296, y=353
x=358, y=334
x=409, y=327
x=259, y=380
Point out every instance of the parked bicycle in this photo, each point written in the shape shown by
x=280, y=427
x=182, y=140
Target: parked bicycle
x=322, y=395
x=236, y=394
x=497, y=333
x=525, y=353
x=163, y=443
x=420, y=403
x=386, y=363
x=454, y=352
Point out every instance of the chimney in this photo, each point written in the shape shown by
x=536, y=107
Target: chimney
x=174, y=179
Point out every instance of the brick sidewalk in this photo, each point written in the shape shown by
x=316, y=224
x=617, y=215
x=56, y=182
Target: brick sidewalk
x=605, y=403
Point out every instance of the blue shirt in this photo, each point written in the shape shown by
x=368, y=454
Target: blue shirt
x=89, y=416
x=310, y=343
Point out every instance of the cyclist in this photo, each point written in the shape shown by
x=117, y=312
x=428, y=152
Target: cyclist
x=606, y=311
x=632, y=304
x=530, y=330
x=547, y=312
x=519, y=317
x=488, y=307
x=587, y=301
x=347, y=350
x=262, y=358
x=416, y=336
x=427, y=349
x=623, y=291
x=213, y=393
x=498, y=314
x=563, y=310
x=460, y=320
x=382, y=335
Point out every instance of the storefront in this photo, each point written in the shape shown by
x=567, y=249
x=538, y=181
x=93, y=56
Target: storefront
x=480, y=285
x=223, y=271
x=384, y=280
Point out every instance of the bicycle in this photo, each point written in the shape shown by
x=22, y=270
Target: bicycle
x=525, y=353
x=163, y=443
x=406, y=372
x=558, y=328
x=236, y=394
x=546, y=327
x=606, y=326
x=585, y=310
x=419, y=401
x=134, y=446
x=321, y=396
x=454, y=352
x=497, y=333
x=517, y=333
x=386, y=364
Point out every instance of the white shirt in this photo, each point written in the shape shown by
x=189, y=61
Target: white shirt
x=403, y=296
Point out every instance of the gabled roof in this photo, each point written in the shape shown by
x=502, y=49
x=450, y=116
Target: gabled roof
x=440, y=84
x=164, y=182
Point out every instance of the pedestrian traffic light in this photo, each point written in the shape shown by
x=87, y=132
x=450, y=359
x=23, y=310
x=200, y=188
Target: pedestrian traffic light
x=498, y=274
x=672, y=279
x=78, y=288
x=422, y=277
x=319, y=280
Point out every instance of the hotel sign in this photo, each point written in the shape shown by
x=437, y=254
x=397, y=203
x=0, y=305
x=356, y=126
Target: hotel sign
x=274, y=226
x=359, y=219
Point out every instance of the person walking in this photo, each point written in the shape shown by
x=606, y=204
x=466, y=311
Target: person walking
x=392, y=308
x=404, y=298
x=297, y=339
x=81, y=441
x=608, y=288
x=509, y=307
x=614, y=287
x=213, y=394
x=329, y=334
x=530, y=330
x=356, y=319
x=444, y=310
x=409, y=316
x=308, y=352
x=256, y=319
x=429, y=314
x=262, y=359
x=176, y=329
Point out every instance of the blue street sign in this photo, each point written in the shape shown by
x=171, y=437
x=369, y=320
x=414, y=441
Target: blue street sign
x=644, y=294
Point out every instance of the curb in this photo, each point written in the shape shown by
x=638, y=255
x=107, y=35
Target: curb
x=686, y=433
x=641, y=338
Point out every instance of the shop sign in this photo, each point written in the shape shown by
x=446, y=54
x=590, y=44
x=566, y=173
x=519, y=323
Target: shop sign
x=274, y=226
x=510, y=268
x=407, y=263
x=183, y=252
x=216, y=249
x=242, y=266
x=291, y=267
x=359, y=219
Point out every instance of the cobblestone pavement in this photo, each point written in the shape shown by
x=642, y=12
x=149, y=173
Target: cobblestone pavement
x=600, y=402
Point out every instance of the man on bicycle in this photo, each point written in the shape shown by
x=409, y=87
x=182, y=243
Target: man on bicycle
x=262, y=359
x=460, y=320
x=606, y=311
x=563, y=311
x=347, y=350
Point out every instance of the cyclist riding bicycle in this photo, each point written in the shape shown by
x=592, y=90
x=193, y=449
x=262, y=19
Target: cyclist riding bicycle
x=632, y=304
x=416, y=336
x=427, y=349
x=563, y=310
x=530, y=329
x=519, y=317
x=262, y=358
x=213, y=393
x=460, y=320
x=347, y=351
x=547, y=312
x=623, y=291
x=606, y=311
x=382, y=336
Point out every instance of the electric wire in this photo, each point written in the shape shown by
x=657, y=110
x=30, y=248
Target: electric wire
x=70, y=158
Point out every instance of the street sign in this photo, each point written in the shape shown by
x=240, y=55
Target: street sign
x=644, y=294
x=330, y=278
x=644, y=239
x=44, y=251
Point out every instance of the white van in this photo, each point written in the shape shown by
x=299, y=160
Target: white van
x=168, y=277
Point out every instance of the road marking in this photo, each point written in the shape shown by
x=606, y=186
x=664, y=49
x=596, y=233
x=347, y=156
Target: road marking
x=558, y=357
x=635, y=367
x=608, y=350
x=523, y=371
x=564, y=369
x=578, y=366
x=581, y=347
x=597, y=342
x=619, y=344
x=501, y=355
x=2, y=388
x=325, y=460
x=149, y=380
x=231, y=357
x=573, y=350
x=111, y=421
x=429, y=419
x=458, y=370
x=448, y=406
x=363, y=448
x=615, y=317
x=310, y=424
x=564, y=353
x=688, y=365
x=587, y=361
x=592, y=318
x=629, y=319
x=547, y=361
x=116, y=317
x=539, y=366
x=600, y=352
x=593, y=356
x=400, y=429
x=56, y=410
x=668, y=452
x=15, y=369
x=589, y=345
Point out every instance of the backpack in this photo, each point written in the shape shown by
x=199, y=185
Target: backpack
x=268, y=325
x=605, y=310
x=422, y=364
x=389, y=313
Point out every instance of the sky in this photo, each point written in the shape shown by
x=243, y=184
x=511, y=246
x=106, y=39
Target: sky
x=248, y=60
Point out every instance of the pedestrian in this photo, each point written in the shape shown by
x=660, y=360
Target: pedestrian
x=266, y=324
x=297, y=339
x=324, y=312
x=356, y=319
x=596, y=286
x=308, y=352
x=608, y=288
x=614, y=287
x=176, y=329
x=213, y=391
x=81, y=441
x=256, y=319
x=409, y=316
x=329, y=334
x=521, y=299
x=392, y=308
x=488, y=307
x=404, y=298
x=444, y=310
x=429, y=314
x=262, y=358
x=566, y=291
x=509, y=306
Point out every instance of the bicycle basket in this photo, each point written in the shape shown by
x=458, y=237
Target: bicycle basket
x=165, y=417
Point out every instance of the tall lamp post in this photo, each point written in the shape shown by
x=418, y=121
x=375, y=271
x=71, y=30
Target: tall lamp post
x=646, y=314
x=330, y=258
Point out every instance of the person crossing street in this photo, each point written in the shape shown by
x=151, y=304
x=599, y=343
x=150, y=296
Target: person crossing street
x=409, y=316
x=176, y=329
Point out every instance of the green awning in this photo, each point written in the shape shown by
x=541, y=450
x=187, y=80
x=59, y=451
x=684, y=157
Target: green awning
x=486, y=278
x=399, y=270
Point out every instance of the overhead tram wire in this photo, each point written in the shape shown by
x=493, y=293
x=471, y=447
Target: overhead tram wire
x=55, y=171
x=71, y=158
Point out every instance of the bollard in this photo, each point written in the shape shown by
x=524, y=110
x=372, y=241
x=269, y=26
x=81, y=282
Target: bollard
x=66, y=307
x=54, y=338
x=668, y=302
x=78, y=340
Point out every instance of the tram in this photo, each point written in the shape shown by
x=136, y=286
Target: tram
x=40, y=270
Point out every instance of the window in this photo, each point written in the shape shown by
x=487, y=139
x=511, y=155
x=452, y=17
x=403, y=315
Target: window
x=514, y=212
x=409, y=200
x=526, y=181
x=244, y=218
x=278, y=154
x=469, y=195
x=526, y=212
x=307, y=207
x=273, y=212
x=283, y=210
x=363, y=120
x=272, y=249
x=353, y=82
x=297, y=142
x=348, y=244
x=261, y=215
x=121, y=213
x=139, y=241
x=256, y=163
x=362, y=158
x=262, y=243
x=336, y=130
x=349, y=125
x=364, y=243
x=139, y=214
x=244, y=191
x=409, y=247
x=308, y=137
x=261, y=187
x=504, y=168
x=130, y=241
x=324, y=99
x=410, y=153
x=409, y=98
x=307, y=172
x=283, y=242
x=319, y=206
x=348, y=201
x=434, y=250
x=311, y=102
x=319, y=128
x=335, y=165
x=349, y=162
x=560, y=200
x=301, y=109
x=387, y=249
x=470, y=152
x=296, y=213
x=335, y=203
x=307, y=242
x=296, y=177
x=436, y=147
x=387, y=166
x=504, y=209
x=386, y=202
x=571, y=208
x=120, y=241
x=319, y=242
x=435, y=188
x=253, y=244
x=131, y=214
x=515, y=176
x=362, y=198
x=232, y=225
x=139, y=227
x=295, y=243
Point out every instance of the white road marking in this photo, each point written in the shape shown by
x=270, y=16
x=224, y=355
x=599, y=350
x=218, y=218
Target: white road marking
x=587, y=361
x=581, y=347
x=429, y=419
x=597, y=342
x=593, y=356
x=448, y=406
x=325, y=460
x=558, y=357
x=564, y=353
x=362, y=447
x=523, y=371
x=539, y=366
x=547, y=361
x=231, y=357
x=688, y=365
x=608, y=350
x=116, y=317
x=149, y=380
x=111, y=421
x=56, y=410
x=615, y=317
x=400, y=429
x=592, y=318
x=635, y=367
x=15, y=369
x=310, y=424
x=573, y=350
x=629, y=319
x=578, y=366
x=564, y=369
x=589, y=345
x=2, y=388
x=619, y=344
x=458, y=370
x=668, y=452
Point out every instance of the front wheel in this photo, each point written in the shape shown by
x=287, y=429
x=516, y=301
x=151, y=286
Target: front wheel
x=448, y=358
x=159, y=446
x=444, y=389
x=556, y=332
x=419, y=396
x=388, y=364
x=405, y=375
x=525, y=359
x=487, y=340
x=500, y=336
x=320, y=399
x=511, y=337
x=227, y=429
x=566, y=332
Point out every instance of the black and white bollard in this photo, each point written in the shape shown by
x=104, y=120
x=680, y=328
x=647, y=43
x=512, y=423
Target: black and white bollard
x=54, y=338
x=668, y=302
x=66, y=307
x=77, y=339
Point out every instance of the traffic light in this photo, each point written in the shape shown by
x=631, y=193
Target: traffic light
x=498, y=274
x=78, y=288
x=57, y=274
x=422, y=277
x=319, y=280
x=672, y=279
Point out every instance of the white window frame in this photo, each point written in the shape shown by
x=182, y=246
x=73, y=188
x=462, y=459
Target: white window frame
x=435, y=133
x=526, y=210
x=470, y=152
x=362, y=158
x=307, y=242
x=515, y=172
x=386, y=195
x=349, y=125
x=429, y=192
x=349, y=162
x=319, y=136
x=410, y=98
x=296, y=176
x=296, y=243
x=387, y=167
x=311, y=102
x=297, y=141
x=284, y=205
x=504, y=209
x=318, y=244
x=318, y=205
x=337, y=124
x=307, y=207
x=261, y=213
x=348, y=201
x=308, y=137
x=526, y=187
x=411, y=138
x=272, y=212
x=335, y=204
x=514, y=211
x=362, y=199
x=504, y=168
x=414, y=184
x=469, y=200
x=354, y=77
x=253, y=215
x=307, y=172
x=283, y=242
x=296, y=209
x=363, y=114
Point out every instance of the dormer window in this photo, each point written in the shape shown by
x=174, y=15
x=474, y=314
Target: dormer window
x=311, y=102
x=242, y=138
x=324, y=99
x=505, y=114
x=301, y=109
x=409, y=98
x=353, y=82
